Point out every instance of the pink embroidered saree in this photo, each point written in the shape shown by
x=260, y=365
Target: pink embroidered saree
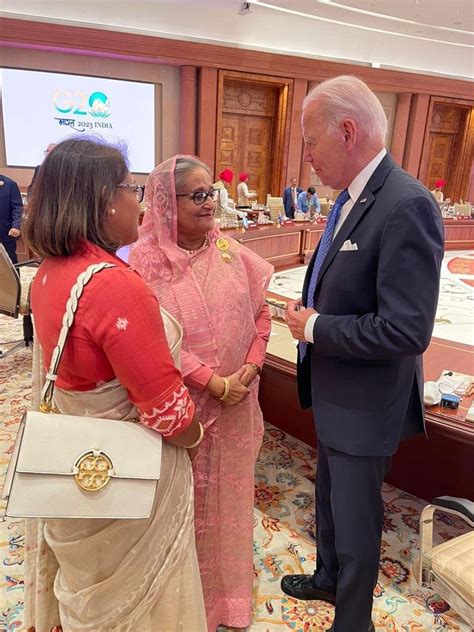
x=220, y=305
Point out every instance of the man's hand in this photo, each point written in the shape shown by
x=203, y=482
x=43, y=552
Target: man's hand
x=297, y=317
x=14, y=232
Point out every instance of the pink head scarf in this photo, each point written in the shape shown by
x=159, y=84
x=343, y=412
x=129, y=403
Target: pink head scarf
x=157, y=246
x=166, y=267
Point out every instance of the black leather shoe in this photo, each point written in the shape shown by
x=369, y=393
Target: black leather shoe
x=300, y=587
x=371, y=628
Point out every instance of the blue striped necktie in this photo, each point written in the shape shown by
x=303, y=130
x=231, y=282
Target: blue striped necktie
x=325, y=244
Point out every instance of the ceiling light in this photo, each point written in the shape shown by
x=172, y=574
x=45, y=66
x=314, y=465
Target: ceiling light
x=244, y=9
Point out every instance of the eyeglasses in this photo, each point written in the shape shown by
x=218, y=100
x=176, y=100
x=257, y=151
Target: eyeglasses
x=199, y=197
x=138, y=189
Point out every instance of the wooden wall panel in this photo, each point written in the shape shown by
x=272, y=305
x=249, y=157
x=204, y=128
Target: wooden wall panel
x=207, y=116
x=295, y=167
x=400, y=126
x=459, y=234
x=188, y=110
x=415, y=133
x=312, y=238
x=285, y=245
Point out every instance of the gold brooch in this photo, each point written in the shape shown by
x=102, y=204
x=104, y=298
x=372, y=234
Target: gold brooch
x=92, y=470
x=223, y=245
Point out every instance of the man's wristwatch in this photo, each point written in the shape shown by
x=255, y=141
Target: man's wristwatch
x=255, y=367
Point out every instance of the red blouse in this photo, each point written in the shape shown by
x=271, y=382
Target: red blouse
x=117, y=333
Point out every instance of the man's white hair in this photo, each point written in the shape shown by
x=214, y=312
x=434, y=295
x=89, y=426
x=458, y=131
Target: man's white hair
x=348, y=97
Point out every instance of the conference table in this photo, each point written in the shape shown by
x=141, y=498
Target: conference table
x=293, y=243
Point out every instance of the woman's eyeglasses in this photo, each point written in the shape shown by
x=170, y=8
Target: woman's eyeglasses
x=138, y=189
x=199, y=197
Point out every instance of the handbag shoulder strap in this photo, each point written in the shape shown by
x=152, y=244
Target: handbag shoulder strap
x=68, y=319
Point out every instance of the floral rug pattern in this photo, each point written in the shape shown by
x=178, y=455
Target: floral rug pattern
x=284, y=532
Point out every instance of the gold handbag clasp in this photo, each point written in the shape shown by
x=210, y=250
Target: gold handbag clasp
x=46, y=407
x=92, y=470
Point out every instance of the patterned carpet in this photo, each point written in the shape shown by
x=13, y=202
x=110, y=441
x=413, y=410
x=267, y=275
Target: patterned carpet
x=284, y=528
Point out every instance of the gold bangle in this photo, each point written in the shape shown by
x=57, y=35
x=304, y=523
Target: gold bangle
x=198, y=440
x=225, y=395
x=255, y=367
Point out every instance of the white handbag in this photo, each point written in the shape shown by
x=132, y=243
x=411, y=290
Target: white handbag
x=66, y=466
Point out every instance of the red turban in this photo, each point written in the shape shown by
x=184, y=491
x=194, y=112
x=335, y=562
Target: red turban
x=243, y=176
x=226, y=175
x=440, y=183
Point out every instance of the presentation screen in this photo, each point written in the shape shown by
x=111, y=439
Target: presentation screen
x=40, y=108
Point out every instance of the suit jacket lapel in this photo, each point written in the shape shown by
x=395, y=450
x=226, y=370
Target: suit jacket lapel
x=357, y=212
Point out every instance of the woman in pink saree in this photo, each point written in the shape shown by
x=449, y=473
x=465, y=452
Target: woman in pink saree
x=215, y=288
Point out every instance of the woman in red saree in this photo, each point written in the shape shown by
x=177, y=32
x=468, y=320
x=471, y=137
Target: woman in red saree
x=214, y=287
x=101, y=574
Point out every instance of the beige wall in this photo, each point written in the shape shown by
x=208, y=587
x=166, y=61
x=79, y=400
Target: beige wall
x=167, y=94
x=389, y=104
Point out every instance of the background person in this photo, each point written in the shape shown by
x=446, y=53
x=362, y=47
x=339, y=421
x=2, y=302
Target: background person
x=308, y=202
x=215, y=288
x=290, y=198
x=224, y=209
x=109, y=574
x=437, y=192
x=244, y=196
x=366, y=316
x=11, y=210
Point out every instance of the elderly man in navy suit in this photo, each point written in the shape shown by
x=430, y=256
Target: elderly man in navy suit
x=366, y=317
x=290, y=198
x=11, y=209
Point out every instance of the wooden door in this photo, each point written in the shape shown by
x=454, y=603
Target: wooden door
x=448, y=148
x=246, y=134
x=439, y=161
x=245, y=146
x=228, y=155
x=257, y=134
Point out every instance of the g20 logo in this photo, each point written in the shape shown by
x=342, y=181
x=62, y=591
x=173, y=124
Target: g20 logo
x=76, y=102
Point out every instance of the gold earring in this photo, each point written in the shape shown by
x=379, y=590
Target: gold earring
x=112, y=211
